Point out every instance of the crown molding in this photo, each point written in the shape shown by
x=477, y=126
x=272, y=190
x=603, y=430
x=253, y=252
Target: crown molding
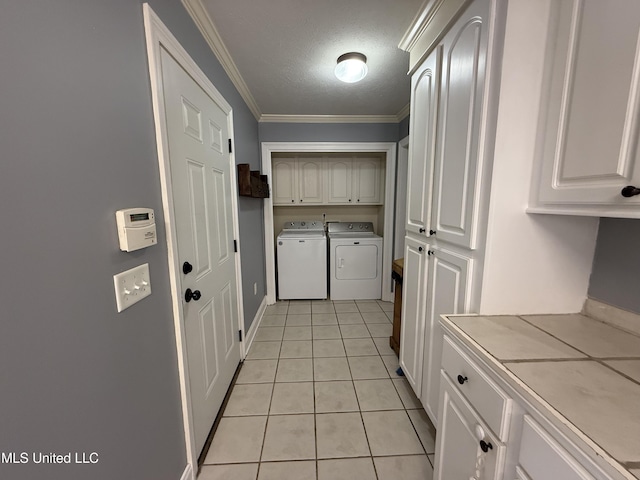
x=419, y=24
x=275, y=118
x=207, y=28
x=428, y=27
x=404, y=113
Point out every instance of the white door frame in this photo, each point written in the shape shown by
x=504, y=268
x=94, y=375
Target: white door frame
x=401, y=176
x=159, y=37
x=388, y=148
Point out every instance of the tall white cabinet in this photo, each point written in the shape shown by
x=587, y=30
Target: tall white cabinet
x=445, y=193
x=477, y=92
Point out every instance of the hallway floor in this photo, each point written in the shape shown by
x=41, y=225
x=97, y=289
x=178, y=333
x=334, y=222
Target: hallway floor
x=318, y=398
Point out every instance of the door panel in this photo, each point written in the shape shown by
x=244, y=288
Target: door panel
x=339, y=180
x=284, y=182
x=414, y=287
x=424, y=113
x=457, y=155
x=356, y=262
x=447, y=293
x=591, y=130
x=457, y=443
x=367, y=180
x=201, y=190
x=310, y=180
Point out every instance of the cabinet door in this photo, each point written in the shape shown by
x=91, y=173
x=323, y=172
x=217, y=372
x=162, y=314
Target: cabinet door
x=458, y=441
x=425, y=85
x=284, y=182
x=310, y=180
x=339, y=180
x=367, y=185
x=414, y=279
x=458, y=160
x=448, y=292
x=590, y=149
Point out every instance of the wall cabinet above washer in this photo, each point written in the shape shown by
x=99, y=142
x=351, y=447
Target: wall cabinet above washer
x=297, y=181
x=328, y=181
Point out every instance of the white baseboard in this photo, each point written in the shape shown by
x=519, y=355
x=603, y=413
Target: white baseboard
x=188, y=473
x=251, y=334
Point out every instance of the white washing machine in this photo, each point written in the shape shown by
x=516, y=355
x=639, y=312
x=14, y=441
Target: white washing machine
x=355, y=261
x=302, y=261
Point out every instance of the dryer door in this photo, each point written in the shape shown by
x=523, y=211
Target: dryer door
x=356, y=261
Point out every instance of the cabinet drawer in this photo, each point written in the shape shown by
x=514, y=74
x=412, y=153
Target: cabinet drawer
x=544, y=459
x=487, y=398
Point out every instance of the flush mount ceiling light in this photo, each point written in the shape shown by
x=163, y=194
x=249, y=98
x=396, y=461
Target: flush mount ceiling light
x=352, y=67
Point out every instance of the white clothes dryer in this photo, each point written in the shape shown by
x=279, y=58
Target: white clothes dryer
x=302, y=261
x=355, y=261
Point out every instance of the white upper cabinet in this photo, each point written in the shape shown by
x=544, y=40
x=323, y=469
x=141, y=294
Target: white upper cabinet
x=590, y=115
x=285, y=182
x=328, y=181
x=310, y=174
x=455, y=193
x=339, y=180
x=367, y=180
x=425, y=85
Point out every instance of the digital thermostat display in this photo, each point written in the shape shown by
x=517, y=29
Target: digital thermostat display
x=136, y=217
x=136, y=228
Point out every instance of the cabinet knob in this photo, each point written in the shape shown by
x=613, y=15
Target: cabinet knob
x=432, y=232
x=420, y=249
x=293, y=201
x=422, y=230
x=462, y=379
x=485, y=447
x=358, y=200
x=431, y=252
x=349, y=199
x=630, y=191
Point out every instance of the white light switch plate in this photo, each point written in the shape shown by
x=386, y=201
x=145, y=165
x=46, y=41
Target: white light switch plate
x=132, y=286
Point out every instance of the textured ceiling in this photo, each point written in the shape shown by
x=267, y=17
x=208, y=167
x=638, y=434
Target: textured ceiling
x=286, y=51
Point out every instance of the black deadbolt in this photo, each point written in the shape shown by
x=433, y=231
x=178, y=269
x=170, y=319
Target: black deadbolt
x=192, y=295
x=187, y=268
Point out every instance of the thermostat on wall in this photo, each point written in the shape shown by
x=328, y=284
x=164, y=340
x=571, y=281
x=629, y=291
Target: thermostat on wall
x=136, y=228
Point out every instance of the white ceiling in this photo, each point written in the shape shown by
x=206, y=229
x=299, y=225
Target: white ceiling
x=285, y=52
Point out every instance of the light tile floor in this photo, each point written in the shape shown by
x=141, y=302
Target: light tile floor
x=318, y=398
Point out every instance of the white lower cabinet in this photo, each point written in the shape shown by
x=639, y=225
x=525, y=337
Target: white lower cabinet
x=447, y=292
x=412, y=334
x=465, y=447
x=543, y=458
x=477, y=405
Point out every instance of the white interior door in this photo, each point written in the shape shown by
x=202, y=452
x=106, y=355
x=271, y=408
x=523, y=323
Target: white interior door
x=201, y=189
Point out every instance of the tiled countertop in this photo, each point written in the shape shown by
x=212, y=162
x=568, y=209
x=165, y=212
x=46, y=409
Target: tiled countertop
x=584, y=372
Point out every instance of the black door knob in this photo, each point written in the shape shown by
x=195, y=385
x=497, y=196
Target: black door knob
x=420, y=249
x=422, y=230
x=630, y=191
x=485, y=447
x=192, y=295
x=462, y=379
x=432, y=232
x=187, y=268
x=431, y=252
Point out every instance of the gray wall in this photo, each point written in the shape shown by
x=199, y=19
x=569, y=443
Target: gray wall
x=78, y=143
x=616, y=264
x=328, y=132
x=403, y=128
